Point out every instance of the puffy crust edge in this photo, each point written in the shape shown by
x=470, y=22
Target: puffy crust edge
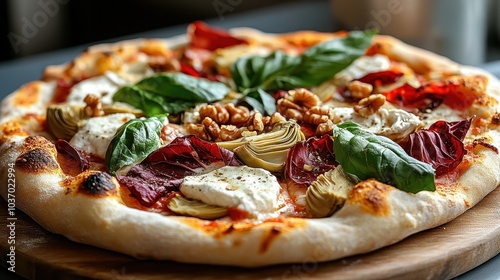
x=59, y=204
x=420, y=60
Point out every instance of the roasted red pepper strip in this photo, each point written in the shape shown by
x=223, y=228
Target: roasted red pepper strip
x=63, y=89
x=381, y=78
x=427, y=96
x=205, y=37
x=453, y=93
x=190, y=70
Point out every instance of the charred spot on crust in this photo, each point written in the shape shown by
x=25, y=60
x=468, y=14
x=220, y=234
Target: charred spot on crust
x=37, y=155
x=98, y=184
x=36, y=161
x=268, y=237
x=371, y=196
x=495, y=119
x=484, y=142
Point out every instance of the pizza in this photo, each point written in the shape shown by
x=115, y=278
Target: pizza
x=243, y=148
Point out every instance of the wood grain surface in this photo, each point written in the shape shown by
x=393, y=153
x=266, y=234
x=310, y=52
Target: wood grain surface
x=440, y=253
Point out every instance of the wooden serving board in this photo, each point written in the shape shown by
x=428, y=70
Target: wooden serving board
x=440, y=253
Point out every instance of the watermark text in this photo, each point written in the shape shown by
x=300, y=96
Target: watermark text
x=11, y=218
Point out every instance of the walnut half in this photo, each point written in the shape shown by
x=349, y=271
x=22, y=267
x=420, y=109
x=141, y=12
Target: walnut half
x=296, y=103
x=225, y=114
x=369, y=105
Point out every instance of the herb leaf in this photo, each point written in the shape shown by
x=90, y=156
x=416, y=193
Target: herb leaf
x=252, y=72
x=281, y=71
x=364, y=155
x=170, y=93
x=150, y=103
x=326, y=59
x=184, y=87
x=134, y=141
x=268, y=102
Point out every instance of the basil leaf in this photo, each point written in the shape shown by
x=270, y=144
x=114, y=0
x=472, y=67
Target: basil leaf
x=184, y=87
x=134, y=141
x=170, y=93
x=254, y=103
x=151, y=104
x=281, y=71
x=252, y=72
x=326, y=59
x=268, y=102
x=364, y=155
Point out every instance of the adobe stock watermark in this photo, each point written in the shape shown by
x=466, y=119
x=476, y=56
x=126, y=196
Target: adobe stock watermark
x=225, y=6
x=383, y=17
x=31, y=26
x=11, y=218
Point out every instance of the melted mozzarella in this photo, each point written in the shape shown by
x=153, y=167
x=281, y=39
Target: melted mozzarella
x=442, y=112
x=102, y=86
x=392, y=123
x=94, y=137
x=360, y=67
x=254, y=190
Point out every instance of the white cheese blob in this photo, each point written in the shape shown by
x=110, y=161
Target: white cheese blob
x=442, y=112
x=94, y=137
x=101, y=86
x=392, y=123
x=254, y=190
x=360, y=67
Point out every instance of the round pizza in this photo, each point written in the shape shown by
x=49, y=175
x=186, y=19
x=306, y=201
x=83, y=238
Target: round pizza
x=238, y=147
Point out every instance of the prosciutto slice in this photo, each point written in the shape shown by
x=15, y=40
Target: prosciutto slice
x=309, y=159
x=441, y=145
x=163, y=170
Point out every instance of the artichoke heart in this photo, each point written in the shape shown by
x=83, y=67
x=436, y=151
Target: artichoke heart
x=195, y=208
x=328, y=193
x=64, y=121
x=267, y=150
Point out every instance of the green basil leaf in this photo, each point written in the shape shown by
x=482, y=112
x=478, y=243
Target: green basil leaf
x=268, y=102
x=323, y=61
x=179, y=86
x=134, y=141
x=150, y=103
x=281, y=71
x=364, y=155
x=254, y=103
x=170, y=93
x=252, y=72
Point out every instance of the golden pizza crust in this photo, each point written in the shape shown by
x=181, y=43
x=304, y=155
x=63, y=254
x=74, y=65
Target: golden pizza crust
x=420, y=60
x=88, y=208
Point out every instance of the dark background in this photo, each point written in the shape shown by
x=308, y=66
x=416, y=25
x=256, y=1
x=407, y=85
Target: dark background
x=80, y=22
x=76, y=22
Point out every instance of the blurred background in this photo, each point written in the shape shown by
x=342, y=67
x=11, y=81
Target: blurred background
x=34, y=26
x=464, y=30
